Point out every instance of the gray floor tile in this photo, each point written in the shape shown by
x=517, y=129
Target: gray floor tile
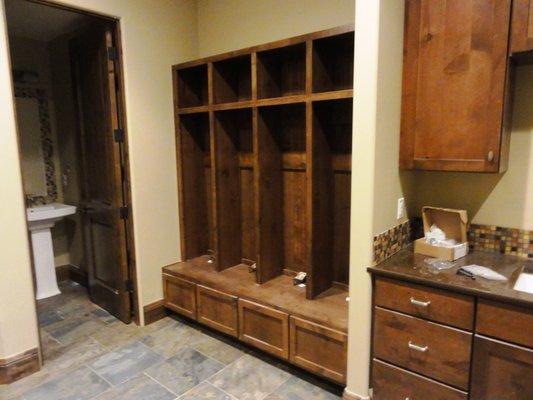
x=80, y=384
x=70, y=330
x=249, y=378
x=206, y=391
x=298, y=389
x=170, y=340
x=185, y=370
x=48, y=317
x=218, y=350
x=139, y=388
x=125, y=363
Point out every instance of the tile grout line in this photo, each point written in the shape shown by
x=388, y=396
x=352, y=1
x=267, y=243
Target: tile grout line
x=100, y=376
x=159, y=383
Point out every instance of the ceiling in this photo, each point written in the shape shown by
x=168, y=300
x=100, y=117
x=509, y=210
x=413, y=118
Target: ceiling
x=39, y=22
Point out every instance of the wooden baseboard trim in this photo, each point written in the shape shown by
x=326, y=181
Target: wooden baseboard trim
x=347, y=395
x=63, y=273
x=154, y=312
x=19, y=366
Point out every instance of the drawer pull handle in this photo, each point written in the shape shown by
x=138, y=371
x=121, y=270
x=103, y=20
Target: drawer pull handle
x=417, y=348
x=420, y=303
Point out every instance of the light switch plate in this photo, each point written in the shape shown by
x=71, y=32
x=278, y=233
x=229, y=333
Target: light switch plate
x=400, y=213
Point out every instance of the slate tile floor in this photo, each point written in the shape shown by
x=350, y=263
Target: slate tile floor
x=88, y=354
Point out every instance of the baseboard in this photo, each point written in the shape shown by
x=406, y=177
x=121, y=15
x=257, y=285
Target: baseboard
x=70, y=272
x=19, y=366
x=347, y=395
x=154, y=312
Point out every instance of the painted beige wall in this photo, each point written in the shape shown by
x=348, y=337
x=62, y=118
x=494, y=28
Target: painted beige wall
x=492, y=199
x=376, y=183
x=18, y=323
x=234, y=24
x=154, y=38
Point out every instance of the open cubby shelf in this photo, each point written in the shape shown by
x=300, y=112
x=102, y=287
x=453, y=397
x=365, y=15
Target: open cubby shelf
x=333, y=63
x=281, y=72
x=264, y=168
x=192, y=86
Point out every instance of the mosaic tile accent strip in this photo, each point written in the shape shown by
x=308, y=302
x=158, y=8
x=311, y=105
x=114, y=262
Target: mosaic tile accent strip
x=391, y=241
x=46, y=141
x=516, y=242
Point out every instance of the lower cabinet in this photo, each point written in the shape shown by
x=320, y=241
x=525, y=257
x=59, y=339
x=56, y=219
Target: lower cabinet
x=393, y=383
x=318, y=349
x=218, y=310
x=180, y=295
x=265, y=328
x=501, y=371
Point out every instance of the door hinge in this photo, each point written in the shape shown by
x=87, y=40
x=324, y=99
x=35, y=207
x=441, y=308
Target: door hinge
x=124, y=212
x=112, y=53
x=128, y=286
x=119, y=135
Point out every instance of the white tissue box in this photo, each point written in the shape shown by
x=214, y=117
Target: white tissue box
x=453, y=223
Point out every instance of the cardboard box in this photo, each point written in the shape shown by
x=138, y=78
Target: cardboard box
x=454, y=224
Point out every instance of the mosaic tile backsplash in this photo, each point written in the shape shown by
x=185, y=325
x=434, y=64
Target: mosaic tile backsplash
x=511, y=241
x=516, y=242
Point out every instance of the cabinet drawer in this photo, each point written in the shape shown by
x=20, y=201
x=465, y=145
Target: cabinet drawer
x=501, y=371
x=393, y=383
x=217, y=310
x=425, y=347
x=507, y=322
x=180, y=295
x=433, y=304
x=264, y=327
x=318, y=349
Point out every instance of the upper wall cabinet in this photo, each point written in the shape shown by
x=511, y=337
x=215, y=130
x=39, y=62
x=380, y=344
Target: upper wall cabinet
x=455, y=85
x=522, y=28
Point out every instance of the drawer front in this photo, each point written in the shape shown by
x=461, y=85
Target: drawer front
x=318, y=349
x=217, y=310
x=501, y=371
x=393, y=383
x=180, y=295
x=506, y=322
x=264, y=327
x=436, y=305
x=425, y=347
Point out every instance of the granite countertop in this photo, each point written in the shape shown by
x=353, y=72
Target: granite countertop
x=406, y=265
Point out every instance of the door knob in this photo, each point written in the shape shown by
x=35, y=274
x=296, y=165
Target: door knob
x=490, y=156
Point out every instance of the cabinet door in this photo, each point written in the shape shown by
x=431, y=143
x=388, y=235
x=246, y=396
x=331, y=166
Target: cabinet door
x=454, y=85
x=501, y=371
x=522, y=26
x=217, y=310
x=180, y=295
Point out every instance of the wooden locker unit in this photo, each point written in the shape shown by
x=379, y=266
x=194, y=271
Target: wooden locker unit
x=264, y=162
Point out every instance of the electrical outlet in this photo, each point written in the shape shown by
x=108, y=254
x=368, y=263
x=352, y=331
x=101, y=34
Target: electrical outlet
x=400, y=213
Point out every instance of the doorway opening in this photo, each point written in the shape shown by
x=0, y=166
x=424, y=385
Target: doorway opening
x=69, y=99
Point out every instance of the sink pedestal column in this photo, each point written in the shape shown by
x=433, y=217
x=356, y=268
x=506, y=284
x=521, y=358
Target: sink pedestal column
x=43, y=259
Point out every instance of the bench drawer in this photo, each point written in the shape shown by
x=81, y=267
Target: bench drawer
x=436, y=305
x=180, y=295
x=507, y=322
x=430, y=349
x=265, y=328
x=217, y=310
x=393, y=383
x=318, y=349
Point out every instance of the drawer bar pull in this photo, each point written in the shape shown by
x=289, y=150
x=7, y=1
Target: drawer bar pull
x=417, y=348
x=420, y=303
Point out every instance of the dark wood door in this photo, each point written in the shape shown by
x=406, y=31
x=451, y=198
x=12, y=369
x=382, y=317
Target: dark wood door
x=454, y=85
x=103, y=196
x=501, y=371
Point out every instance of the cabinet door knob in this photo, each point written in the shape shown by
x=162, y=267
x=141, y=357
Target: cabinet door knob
x=490, y=156
x=420, y=303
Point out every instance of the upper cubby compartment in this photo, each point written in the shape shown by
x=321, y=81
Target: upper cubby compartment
x=333, y=63
x=281, y=72
x=192, y=86
x=232, y=80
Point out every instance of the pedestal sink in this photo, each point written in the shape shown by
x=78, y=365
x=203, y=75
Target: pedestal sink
x=40, y=220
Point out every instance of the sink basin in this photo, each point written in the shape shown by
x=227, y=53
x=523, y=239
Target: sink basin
x=40, y=221
x=46, y=216
x=524, y=283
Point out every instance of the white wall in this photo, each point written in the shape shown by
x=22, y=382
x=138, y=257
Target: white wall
x=154, y=36
x=234, y=24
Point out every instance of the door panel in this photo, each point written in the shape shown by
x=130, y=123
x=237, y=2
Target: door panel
x=102, y=160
